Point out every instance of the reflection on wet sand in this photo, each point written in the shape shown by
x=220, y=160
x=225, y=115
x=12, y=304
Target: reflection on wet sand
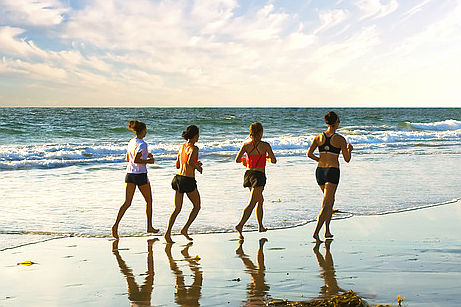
x=138, y=296
x=328, y=273
x=186, y=296
x=257, y=288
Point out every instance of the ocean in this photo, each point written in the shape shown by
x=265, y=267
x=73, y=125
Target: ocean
x=62, y=169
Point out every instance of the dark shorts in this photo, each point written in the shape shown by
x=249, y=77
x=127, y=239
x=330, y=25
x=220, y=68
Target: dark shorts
x=327, y=174
x=137, y=179
x=183, y=184
x=254, y=178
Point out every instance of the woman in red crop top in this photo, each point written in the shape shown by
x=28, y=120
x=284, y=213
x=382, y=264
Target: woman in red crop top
x=184, y=181
x=256, y=152
x=330, y=144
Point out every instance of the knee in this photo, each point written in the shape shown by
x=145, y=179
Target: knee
x=328, y=199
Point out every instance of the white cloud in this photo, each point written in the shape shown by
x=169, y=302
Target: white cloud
x=32, y=12
x=225, y=50
x=213, y=15
x=34, y=71
x=443, y=32
x=376, y=8
x=330, y=19
x=17, y=47
x=417, y=8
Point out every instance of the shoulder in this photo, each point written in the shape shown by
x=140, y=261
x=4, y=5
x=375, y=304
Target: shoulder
x=246, y=144
x=339, y=139
x=142, y=143
x=265, y=144
x=318, y=137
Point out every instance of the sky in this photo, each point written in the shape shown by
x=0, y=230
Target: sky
x=358, y=53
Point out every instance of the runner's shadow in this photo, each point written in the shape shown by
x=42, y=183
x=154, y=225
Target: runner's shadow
x=257, y=288
x=138, y=296
x=328, y=273
x=184, y=295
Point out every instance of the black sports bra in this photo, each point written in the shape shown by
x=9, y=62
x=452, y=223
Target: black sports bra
x=327, y=147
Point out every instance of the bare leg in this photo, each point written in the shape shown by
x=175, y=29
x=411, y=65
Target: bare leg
x=194, y=197
x=178, y=200
x=256, y=192
x=259, y=210
x=147, y=194
x=329, y=190
x=129, y=192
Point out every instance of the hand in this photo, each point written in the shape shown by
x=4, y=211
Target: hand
x=350, y=147
x=149, y=155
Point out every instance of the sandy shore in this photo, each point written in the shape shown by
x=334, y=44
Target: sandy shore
x=416, y=254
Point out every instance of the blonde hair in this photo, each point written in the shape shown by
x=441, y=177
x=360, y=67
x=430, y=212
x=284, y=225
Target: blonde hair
x=256, y=130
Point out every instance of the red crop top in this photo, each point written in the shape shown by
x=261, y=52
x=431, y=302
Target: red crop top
x=258, y=160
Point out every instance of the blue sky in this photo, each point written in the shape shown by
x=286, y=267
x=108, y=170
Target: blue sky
x=230, y=53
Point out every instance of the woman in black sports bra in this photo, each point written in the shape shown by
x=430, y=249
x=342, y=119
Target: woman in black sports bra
x=330, y=145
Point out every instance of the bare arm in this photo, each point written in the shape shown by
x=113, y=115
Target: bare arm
x=271, y=154
x=139, y=160
x=240, y=154
x=178, y=162
x=190, y=161
x=346, y=149
x=310, y=151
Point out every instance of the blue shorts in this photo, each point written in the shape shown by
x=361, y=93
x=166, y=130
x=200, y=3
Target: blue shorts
x=253, y=178
x=327, y=174
x=137, y=179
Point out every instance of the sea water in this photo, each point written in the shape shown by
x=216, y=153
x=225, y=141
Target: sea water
x=62, y=169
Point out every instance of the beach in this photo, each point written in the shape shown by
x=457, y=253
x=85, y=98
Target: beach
x=415, y=254
x=396, y=233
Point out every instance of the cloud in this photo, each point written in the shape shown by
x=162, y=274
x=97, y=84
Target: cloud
x=17, y=47
x=376, y=8
x=32, y=12
x=330, y=19
x=443, y=32
x=417, y=8
x=38, y=71
x=222, y=51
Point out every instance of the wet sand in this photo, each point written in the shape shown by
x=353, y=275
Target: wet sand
x=415, y=254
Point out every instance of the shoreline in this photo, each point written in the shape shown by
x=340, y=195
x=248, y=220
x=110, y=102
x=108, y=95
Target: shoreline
x=415, y=253
x=336, y=216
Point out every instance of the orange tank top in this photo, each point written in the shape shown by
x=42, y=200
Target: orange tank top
x=184, y=156
x=258, y=160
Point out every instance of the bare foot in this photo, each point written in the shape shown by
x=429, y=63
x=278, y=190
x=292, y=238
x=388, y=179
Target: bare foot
x=328, y=236
x=316, y=237
x=239, y=230
x=184, y=233
x=262, y=229
x=262, y=241
x=152, y=230
x=115, y=245
x=168, y=238
x=115, y=231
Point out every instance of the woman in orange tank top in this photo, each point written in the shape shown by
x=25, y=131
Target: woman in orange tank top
x=184, y=181
x=257, y=152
